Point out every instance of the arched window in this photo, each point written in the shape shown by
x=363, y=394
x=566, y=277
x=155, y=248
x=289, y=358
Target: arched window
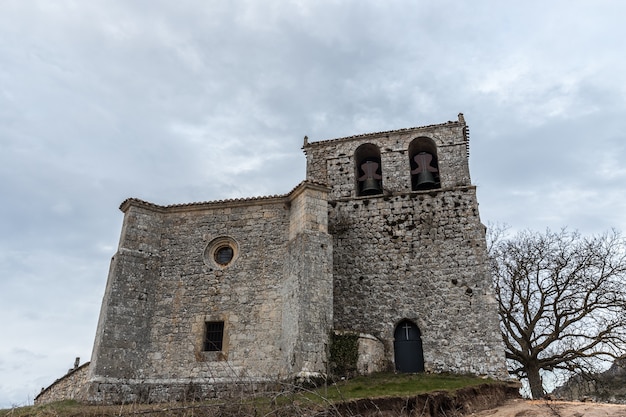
x=369, y=178
x=407, y=347
x=424, y=164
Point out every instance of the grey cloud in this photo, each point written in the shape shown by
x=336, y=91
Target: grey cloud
x=196, y=101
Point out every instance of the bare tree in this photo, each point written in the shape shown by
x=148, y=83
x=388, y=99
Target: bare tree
x=562, y=301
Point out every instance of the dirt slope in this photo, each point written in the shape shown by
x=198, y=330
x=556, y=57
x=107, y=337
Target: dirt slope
x=527, y=408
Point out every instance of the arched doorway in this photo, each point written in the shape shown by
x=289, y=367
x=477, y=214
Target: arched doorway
x=407, y=347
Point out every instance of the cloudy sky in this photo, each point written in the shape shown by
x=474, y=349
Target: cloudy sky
x=176, y=102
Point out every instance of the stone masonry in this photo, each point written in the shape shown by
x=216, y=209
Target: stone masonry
x=163, y=287
x=421, y=255
x=276, y=275
x=70, y=386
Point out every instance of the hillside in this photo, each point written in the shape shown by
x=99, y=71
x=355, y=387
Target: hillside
x=609, y=386
x=381, y=394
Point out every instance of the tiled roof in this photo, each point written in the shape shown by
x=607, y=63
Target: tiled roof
x=229, y=202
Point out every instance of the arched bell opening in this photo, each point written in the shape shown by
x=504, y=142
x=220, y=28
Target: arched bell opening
x=407, y=347
x=424, y=164
x=369, y=175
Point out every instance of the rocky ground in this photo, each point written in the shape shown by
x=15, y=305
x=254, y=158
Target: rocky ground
x=543, y=408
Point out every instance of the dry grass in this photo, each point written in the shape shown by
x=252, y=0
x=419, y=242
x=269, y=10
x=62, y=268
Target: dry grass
x=289, y=402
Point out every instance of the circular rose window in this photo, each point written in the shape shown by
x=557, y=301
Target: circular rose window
x=221, y=252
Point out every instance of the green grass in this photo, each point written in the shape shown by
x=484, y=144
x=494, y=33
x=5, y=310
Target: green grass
x=394, y=385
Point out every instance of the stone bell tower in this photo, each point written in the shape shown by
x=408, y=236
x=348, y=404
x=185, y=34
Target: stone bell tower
x=409, y=253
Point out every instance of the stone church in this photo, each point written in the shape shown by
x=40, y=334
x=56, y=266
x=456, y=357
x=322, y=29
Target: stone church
x=382, y=241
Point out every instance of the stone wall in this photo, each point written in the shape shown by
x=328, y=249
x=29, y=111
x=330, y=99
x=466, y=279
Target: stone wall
x=308, y=294
x=274, y=298
x=69, y=387
x=371, y=355
x=429, y=268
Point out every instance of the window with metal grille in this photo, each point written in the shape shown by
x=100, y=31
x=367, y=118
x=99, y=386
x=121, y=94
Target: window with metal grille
x=213, y=335
x=224, y=255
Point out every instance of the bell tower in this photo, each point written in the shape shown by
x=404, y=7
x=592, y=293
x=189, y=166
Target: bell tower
x=409, y=248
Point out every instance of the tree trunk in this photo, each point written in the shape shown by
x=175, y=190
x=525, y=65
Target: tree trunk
x=534, y=380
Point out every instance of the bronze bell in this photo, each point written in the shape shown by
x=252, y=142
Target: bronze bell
x=370, y=186
x=425, y=178
x=370, y=179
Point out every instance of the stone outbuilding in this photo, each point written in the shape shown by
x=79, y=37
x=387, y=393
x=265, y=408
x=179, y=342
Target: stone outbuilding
x=382, y=244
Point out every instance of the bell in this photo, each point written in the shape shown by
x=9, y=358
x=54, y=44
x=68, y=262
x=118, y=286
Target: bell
x=424, y=171
x=370, y=187
x=370, y=178
x=425, y=180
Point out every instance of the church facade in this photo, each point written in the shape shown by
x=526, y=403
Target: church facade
x=382, y=241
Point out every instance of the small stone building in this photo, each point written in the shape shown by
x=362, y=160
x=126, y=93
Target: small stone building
x=382, y=242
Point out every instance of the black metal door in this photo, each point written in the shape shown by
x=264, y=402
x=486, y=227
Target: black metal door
x=407, y=347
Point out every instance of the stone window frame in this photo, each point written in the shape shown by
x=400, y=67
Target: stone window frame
x=199, y=329
x=213, y=252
